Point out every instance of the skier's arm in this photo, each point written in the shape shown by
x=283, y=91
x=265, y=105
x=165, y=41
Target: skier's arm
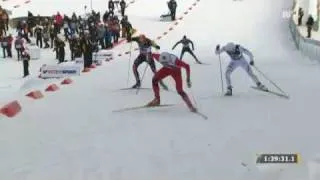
x=247, y=52
x=135, y=39
x=191, y=44
x=220, y=50
x=176, y=44
x=153, y=44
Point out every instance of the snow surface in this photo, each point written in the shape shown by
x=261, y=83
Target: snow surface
x=72, y=134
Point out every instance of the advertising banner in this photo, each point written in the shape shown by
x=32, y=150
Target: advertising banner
x=55, y=71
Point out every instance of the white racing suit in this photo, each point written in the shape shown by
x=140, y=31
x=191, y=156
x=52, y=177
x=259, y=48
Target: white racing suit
x=236, y=53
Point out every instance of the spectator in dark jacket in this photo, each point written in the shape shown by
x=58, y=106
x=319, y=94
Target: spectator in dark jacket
x=9, y=50
x=111, y=6
x=61, y=50
x=172, y=4
x=25, y=59
x=105, y=17
x=53, y=34
x=19, y=46
x=30, y=23
x=72, y=46
x=76, y=48
x=46, y=37
x=4, y=45
x=300, y=16
x=123, y=6
x=108, y=38
x=101, y=31
x=310, y=24
x=87, y=49
x=38, y=34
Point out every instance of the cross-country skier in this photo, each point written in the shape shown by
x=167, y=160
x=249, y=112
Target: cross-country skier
x=171, y=67
x=186, y=48
x=236, y=53
x=145, y=45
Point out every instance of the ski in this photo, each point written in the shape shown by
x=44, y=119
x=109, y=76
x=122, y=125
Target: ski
x=134, y=88
x=201, y=115
x=123, y=89
x=272, y=92
x=142, y=107
x=162, y=105
x=203, y=63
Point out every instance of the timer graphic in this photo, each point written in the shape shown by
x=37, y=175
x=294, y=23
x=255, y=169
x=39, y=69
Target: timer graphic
x=278, y=158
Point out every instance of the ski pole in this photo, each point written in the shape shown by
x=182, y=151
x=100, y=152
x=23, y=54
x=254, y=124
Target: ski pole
x=144, y=72
x=129, y=63
x=194, y=99
x=265, y=76
x=222, y=88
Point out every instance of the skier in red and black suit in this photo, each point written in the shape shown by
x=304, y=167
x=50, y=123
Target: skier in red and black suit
x=145, y=55
x=171, y=67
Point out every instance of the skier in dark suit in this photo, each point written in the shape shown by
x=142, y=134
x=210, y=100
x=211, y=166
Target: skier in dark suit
x=186, y=48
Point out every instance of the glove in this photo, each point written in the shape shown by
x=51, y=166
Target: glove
x=218, y=47
x=189, y=83
x=251, y=63
x=157, y=47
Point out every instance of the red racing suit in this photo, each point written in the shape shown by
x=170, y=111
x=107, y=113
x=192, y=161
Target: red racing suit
x=173, y=69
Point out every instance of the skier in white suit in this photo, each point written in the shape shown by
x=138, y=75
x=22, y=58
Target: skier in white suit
x=236, y=53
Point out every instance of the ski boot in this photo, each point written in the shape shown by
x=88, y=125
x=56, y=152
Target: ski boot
x=189, y=104
x=229, y=91
x=154, y=102
x=193, y=109
x=199, y=62
x=262, y=87
x=137, y=85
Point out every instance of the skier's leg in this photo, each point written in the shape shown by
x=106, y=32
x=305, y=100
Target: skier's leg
x=245, y=65
x=231, y=67
x=176, y=75
x=153, y=68
x=151, y=63
x=158, y=76
x=136, y=64
x=194, y=56
x=182, y=53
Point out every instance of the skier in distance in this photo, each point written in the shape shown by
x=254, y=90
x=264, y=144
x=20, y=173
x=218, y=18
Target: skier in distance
x=186, y=48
